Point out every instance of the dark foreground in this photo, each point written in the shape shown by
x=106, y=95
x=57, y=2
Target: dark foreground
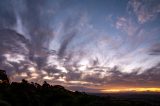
x=33, y=94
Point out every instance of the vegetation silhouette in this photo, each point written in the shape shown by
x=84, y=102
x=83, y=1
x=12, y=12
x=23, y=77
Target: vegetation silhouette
x=33, y=94
x=3, y=76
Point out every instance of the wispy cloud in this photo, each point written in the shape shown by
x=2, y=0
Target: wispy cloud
x=127, y=25
x=145, y=10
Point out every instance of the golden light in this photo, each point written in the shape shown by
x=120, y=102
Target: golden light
x=131, y=90
x=48, y=78
x=79, y=82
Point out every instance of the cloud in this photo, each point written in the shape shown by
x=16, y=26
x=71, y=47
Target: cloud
x=34, y=47
x=67, y=39
x=33, y=19
x=127, y=25
x=155, y=49
x=115, y=77
x=146, y=79
x=19, y=43
x=145, y=10
x=14, y=49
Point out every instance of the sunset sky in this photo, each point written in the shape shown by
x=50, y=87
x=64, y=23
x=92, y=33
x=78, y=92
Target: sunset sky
x=85, y=45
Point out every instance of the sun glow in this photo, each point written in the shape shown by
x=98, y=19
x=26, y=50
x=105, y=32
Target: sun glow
x=131, y=90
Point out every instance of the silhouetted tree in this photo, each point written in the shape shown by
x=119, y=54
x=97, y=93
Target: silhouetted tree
x=45, y=85
x=3, y=77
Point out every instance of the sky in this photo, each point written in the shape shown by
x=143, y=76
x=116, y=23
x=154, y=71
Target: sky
x=85, y=45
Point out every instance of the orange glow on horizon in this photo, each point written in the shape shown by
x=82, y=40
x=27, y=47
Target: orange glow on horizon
x=131, y=90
